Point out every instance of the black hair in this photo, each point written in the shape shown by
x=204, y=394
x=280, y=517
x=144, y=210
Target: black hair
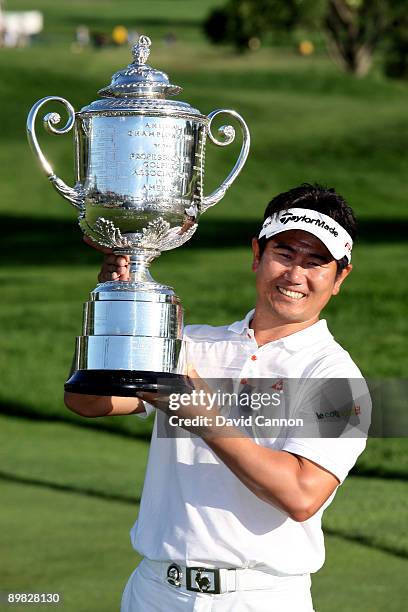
x=321, y=199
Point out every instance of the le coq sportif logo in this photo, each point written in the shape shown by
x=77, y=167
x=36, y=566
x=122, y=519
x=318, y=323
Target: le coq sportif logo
x=288, y=216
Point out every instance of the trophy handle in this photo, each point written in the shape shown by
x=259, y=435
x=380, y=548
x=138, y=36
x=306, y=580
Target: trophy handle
x=72, y=194
x=228, y=133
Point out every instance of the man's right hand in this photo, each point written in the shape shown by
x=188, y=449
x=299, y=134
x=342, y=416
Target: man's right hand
x=114, y=267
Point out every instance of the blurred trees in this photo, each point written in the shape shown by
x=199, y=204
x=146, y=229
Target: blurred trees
x=352, y=29
x=355, y=28
x=396, y=52
x=239, y=21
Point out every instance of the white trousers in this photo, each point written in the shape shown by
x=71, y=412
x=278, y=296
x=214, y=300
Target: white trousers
x=145, y=591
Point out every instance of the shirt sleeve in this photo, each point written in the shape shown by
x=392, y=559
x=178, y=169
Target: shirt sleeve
x=148, y=409
x=336, y=456
x=335, y=416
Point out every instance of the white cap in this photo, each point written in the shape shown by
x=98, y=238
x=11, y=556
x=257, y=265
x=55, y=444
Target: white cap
x=331, y=233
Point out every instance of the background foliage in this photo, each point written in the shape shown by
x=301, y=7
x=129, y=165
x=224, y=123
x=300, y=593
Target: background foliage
x=351, y=29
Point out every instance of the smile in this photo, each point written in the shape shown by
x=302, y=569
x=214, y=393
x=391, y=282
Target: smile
x=295, y=295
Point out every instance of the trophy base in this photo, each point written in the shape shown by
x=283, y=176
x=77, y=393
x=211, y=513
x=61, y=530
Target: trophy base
x=126, y=383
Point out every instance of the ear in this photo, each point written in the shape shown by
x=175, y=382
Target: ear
x=340, y=278
x=256, y=254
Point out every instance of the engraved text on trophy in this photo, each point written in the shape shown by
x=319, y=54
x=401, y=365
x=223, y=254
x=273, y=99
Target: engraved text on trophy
x=140, y=167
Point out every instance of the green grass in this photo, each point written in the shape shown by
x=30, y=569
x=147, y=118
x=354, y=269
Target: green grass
x=355, y=516
x=358, y=580
x=307, y=121
x=37, y=349
x=82, y=551
x=112, y=467
x=71, y=492
x=156, y=17
x=70, y=498
x=62, y=543
x=65, y=457
x=74, y=494
x=46, y=323
x=114, y=11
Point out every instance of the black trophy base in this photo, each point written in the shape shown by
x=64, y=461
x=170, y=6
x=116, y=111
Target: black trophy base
x=126, y=383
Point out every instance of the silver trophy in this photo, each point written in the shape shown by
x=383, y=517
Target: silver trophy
x=139, y=190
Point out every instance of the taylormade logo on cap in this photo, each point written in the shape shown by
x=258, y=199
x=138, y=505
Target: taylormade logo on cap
x=332, y=234
x=288, y=216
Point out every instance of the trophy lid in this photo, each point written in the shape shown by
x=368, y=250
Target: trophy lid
x=138, y=79
x=140, y=89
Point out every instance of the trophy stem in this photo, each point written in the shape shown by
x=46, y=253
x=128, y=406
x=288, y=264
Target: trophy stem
x=140, y=278
x=139, y=263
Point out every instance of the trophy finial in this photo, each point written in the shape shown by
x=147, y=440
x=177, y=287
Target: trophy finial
x=141, y=50
x=138, y=79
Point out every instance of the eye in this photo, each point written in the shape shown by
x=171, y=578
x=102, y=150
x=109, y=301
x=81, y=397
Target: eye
x=317, y=263
x=284, y=254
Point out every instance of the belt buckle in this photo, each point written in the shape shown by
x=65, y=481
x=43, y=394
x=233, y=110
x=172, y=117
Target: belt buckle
x=203, y=580
x=174, y=575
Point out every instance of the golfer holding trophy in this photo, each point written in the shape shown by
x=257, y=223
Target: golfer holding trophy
x=227, y=523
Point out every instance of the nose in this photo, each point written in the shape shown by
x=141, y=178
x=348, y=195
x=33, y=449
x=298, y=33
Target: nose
x=295, y=274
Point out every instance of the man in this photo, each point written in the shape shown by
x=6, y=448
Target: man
x=233, y=522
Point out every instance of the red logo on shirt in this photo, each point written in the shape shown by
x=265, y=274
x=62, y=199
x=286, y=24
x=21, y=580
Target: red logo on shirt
x=278, y=386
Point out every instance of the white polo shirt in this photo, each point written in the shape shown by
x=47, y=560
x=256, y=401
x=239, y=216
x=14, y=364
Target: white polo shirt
x=194, y=510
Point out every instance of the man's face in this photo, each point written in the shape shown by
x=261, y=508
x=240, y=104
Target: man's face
x=295, y=277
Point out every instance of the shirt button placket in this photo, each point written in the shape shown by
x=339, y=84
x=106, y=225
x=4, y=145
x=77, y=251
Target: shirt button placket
x=253, y=366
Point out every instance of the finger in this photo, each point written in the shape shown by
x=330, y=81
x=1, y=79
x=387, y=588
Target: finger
x=195, y=379
x=95, y=245
x=115, y=262
x=191, y=372
x=110, y=272
x=198, y=382
x=147, y=396
x=122, y=260
x=117, y=256
x=110, y=259
x=106, y=267
x=157, y=400
x=104, y=276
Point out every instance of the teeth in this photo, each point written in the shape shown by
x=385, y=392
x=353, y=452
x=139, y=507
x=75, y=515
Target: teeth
x=296, y=295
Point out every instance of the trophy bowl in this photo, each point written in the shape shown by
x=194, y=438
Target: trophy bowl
x=139, y=161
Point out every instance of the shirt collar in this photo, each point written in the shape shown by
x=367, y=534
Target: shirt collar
x=303, y=338
x=241, y=327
